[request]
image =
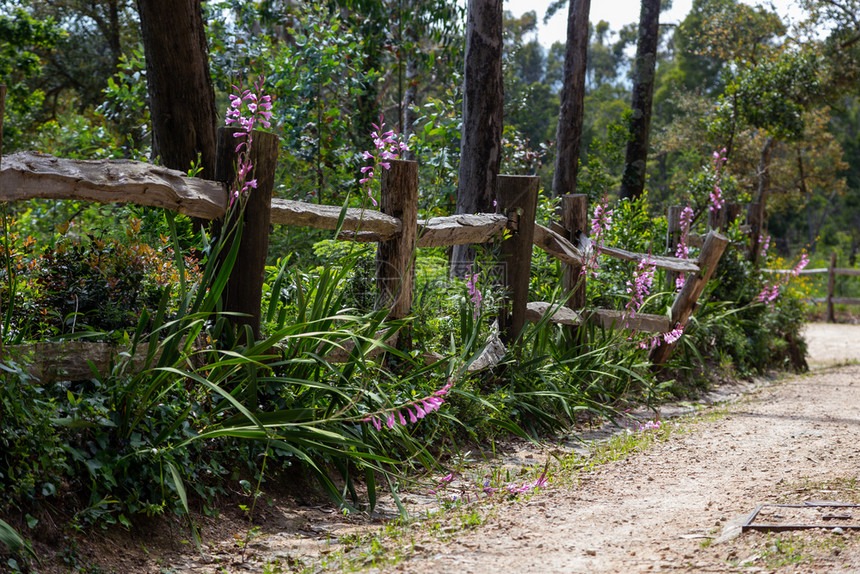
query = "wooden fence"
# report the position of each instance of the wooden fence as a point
(832, 271)
(394, 227)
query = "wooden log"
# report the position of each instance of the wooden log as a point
(28, 175)
(695, 240)
(557, 246)
(831, 288)
(344, 348)
(733, 212)
(395, 269)
(717, 219)
(673, 238)
(612, 319)
(755, 219)
(574, 219)
(845, 300)
(460, 229)
(537, 310)
(686, 301)
(493, 352)
(50, 362)
(670, 263)
(517, 197)
(815, 271)
(289, 212)
(847, 271)
(244, 291)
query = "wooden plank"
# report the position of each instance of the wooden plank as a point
(395, 265)
(831, 286)
(29, 175)
(611, 319)
(847, 271)
(289, 212)
(536, 310)
(243, 296)
(517, 197)
(460, 229)
(574, 218)
(557, 246)
(670, 263)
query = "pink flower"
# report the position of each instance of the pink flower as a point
(640, 287)
(801, 265)
(600, 224)
(415, 410)
(388, 146)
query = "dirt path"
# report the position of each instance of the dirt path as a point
(667, 507)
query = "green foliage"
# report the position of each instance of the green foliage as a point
(771, 95)
(25, 43)
(34, 461)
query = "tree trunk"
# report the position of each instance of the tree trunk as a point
(757, 219)
(181, 97)
(569, 134)
(483, 102)
(633, 180)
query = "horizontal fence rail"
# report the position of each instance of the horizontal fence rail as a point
(831, 272)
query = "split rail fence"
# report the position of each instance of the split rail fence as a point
(832, 271)
(395, 227)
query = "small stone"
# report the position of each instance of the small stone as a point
(838, 531)
(591, 551)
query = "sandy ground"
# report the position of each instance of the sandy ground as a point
(831, 343)
(674, 505)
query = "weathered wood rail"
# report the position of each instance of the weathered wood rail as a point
(394, 227)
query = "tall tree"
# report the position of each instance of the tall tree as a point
(483, 104)
(569, 134)
(181, 96)
(633, 180)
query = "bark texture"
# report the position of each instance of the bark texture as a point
(483, 102)
(181, 97)
(633, 180)
(569, 132)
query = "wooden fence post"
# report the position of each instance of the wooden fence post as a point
(517, 198)
(685, 302)
(733, 211)
(395, 269)
(831, 288)
(673, 238)
(244, 291)
(574, 217)
(717, 219)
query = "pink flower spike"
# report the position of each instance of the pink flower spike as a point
(376, 423)
(402, 420)
(390, 422)
(419, 412)
(365, 180)
(412, 417)
(367, 155)
(367, 168)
